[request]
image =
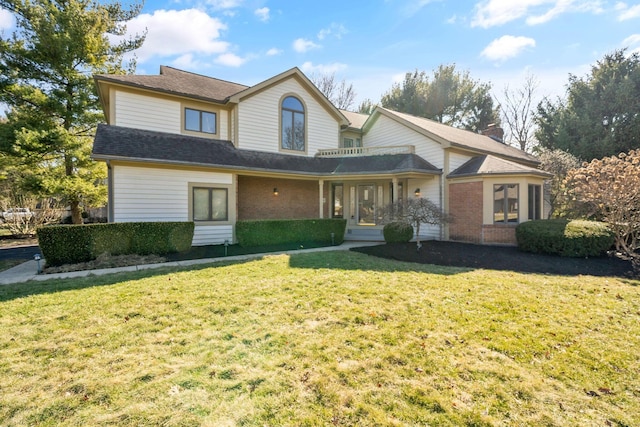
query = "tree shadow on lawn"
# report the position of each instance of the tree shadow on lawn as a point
(500, 258)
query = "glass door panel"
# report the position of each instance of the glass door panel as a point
(366, 204)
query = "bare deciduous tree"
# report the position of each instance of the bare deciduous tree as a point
(610, 190)
(559, 163)
(518, 114)
(340, 93)
(415, 212)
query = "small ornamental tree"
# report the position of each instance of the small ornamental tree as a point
(415, 212)
(609, 190)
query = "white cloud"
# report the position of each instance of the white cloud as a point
(230, 60)
(632, 40)
(507, 47)
(262, 14)
(627, 12)
(414, 6)
(224, 4)
(301, 45)
(172, 32)
(186, 62)
(334, 67)
(490, 13)
(6, 20)
(274, 51)
(632, 43)
(337, 30)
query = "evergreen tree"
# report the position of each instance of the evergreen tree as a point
(450, 97)
(46, 79)
(601, 115)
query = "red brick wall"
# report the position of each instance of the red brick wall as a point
(295, 200)
(465, 205)
(500, 234)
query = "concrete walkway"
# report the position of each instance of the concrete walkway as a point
(29, 270)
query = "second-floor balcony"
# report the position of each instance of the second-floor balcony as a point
(366, 151)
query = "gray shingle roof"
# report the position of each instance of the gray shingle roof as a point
(120, 143)
(491, 165)
(178, 82)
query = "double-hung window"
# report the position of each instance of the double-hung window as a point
(210, 204)
(292, 117)
(199, 121)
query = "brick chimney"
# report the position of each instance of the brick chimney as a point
(494, 131)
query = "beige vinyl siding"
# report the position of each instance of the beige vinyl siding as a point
(429, 189)
(146, 112)
(223, 125)
(259, 120)
(148, 194)
(456, 160)
(387, 132)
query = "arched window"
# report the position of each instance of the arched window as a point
(292, 112)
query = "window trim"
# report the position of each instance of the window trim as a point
(231, 202)
(281, 124)
(200, 110)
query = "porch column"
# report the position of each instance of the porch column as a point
(394, 181)
(321, 197)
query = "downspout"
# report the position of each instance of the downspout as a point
(109, 192)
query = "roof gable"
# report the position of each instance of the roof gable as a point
(449, 136)
(294, 73)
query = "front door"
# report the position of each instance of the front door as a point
(366, 204)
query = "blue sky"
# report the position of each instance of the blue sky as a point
(371, 44)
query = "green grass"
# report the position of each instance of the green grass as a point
(327, 338)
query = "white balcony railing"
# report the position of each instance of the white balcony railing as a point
(366, 151)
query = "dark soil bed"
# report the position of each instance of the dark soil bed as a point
(499, 258)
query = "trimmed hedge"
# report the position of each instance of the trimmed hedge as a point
(282, 231)
(70, 244)
(575, 238)
(397, 232)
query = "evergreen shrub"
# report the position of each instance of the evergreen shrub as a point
(571, 238)
(397, 232)
(283, 231)
(70, 244)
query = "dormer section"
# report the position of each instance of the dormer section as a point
(175, 101)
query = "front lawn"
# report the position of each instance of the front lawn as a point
(326, 338)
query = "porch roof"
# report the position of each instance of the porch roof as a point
(128, 144)
(491, 165)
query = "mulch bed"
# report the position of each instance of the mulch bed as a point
(500, 258)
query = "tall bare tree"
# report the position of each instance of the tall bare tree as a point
(341, 94)
(518, 113)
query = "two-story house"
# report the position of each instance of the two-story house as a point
(186, 147)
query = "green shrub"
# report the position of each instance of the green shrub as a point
(575, 238)
(397, 232)
(69, 244)
(280, 231)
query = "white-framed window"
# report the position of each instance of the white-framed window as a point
(351, 142)
(505, 203)
(199, 121)
(292, 124)
(210, 204)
